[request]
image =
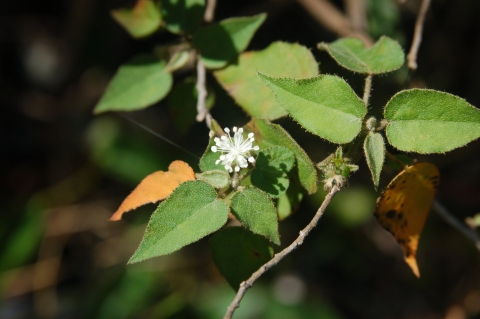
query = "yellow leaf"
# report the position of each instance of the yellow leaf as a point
(404, 206)
(155, 187)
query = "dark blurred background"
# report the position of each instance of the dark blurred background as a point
(64, 171)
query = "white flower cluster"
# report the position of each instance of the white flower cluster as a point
(234, 150)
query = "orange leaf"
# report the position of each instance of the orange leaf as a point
(155, 187)
(404, 206)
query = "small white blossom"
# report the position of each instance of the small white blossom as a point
(234, 150)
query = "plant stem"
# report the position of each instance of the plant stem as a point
(396, 160)
(210, 11)
(462, 228)
(367, 89)
(244, 286)
(333, 19)
(417, 35)
(202, 111)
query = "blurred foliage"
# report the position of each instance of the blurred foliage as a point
(64, 172)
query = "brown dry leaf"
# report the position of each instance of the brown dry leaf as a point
(155, 187)
(404, 206)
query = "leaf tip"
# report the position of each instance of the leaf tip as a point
(133, 260)
(412, 263)
(262, 16)
(116, 216)
(98, 109)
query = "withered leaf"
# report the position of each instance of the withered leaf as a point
(155, 187)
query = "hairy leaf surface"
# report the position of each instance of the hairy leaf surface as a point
(190, 213)
(324, 105)
(428, 121)
(242, 82)
(385, 56)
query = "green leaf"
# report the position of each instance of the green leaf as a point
(324, 105)
(427, 121)
(271, 168)
(238, 253)
(268, 134)
(182, 104)
(191, 212)
(222, 42)
(374, 148)
(289, 202)
(241, 80)
(254, 209)
(178, 60)
(140, 83)
(208, 159)
(183, 15)
(216, 178)
(385, 56)
(141, 20)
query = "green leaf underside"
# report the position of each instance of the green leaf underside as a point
(374, 148)
(216, 178)
(238, 253)
(241, 80)
(141, 82)
(141, 20)
(271, 168)
(222, 42)
(268, 134)
(191, 212)
(183, 15)
(254, 209)
(324, 105)
(428, 121)
(385, 56)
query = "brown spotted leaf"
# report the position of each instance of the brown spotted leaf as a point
(155, 187)
(404, 206)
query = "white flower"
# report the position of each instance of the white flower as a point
(234, 150)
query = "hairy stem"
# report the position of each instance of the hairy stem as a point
(417, 35)
(367, 89)
(202, 111)
(244, 286)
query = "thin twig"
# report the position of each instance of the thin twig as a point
(202, 110)
(210, 11)
(355, 10)
(462, 228)
(367, 89)
(417, 35)
(276, 259)
(333, 19)
(396, 160)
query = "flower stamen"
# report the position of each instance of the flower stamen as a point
(234, 150)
